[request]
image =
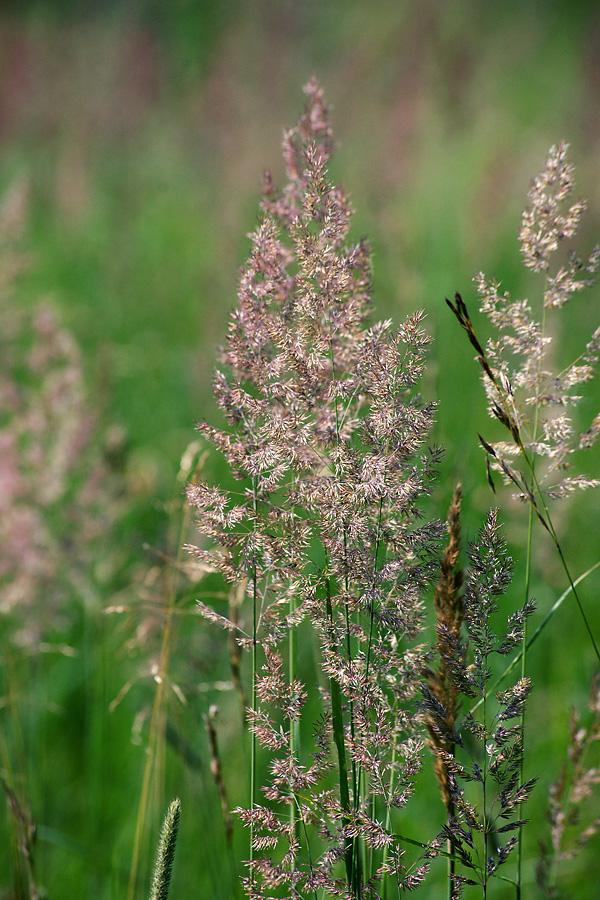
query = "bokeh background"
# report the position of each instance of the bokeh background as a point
(133, 139)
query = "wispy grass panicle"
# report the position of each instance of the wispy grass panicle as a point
(531, 400)
(327, 438)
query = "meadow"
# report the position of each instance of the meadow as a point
(134, 142)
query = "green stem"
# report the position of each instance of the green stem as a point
(451, 867)
(353, 873)
(523, 675)
(485, 821)
(547, 522)
(530, 641)
(388, 818)
(253, 692)
(356, 774)
(293, 723)
(337, 716)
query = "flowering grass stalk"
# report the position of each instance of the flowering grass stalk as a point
(165, 854)
(525, 395)
(328, 444)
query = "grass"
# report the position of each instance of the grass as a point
(145, 280)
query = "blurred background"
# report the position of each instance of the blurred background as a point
(133, 139)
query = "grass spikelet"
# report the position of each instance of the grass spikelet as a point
(449, 610)
(161, 878)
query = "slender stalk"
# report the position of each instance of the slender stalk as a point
(378, 543)
(531, 640)
(294, 726)
(523, 675)
(550, 528)
(153, 764)
(356, 774)
(293, 729)
(527, 589)
(340, 743)
(253, 691)
(485, 819)
(388, 820)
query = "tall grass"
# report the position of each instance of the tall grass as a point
(327, 441)
(384, 733)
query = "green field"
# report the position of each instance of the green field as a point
(133, 141)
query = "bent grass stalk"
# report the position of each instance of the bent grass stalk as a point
(460, 311)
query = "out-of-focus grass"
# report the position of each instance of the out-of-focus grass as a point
(144, 129)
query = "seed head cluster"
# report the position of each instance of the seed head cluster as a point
(525, 391)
